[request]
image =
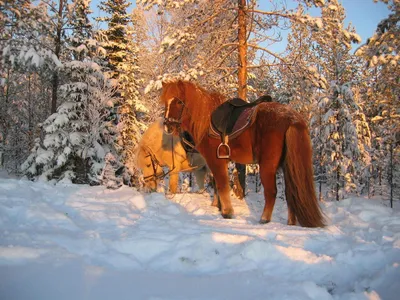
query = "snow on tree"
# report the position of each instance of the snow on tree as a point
(338, 121)
(132, 110)
(115, 39)
(77, 137)
(382, 56)
(147, 29)
(26, 64)
(201, 41)
(119, 39)
(108, 176)
(81, 29)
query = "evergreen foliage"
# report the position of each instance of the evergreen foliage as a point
(78, 136)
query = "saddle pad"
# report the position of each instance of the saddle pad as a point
(243, 121)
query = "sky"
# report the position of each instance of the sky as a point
(364, 15)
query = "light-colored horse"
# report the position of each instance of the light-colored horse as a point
(158, 149)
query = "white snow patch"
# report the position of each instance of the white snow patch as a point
(81, 242)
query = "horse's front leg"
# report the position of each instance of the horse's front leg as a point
(219, 169)
(173, 182)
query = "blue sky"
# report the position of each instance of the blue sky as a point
(363, 14)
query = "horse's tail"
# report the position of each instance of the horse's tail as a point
(299, 179)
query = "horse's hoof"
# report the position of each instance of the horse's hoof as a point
(227, 216)
(262, 221)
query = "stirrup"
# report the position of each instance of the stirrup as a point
(228, 149)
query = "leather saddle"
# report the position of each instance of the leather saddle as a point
(230, 119)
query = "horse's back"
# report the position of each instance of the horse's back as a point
(153, 134)
(279, 116)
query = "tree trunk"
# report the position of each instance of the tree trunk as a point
(57, 53)
(391, 181)
(242, 38)
(242, 81)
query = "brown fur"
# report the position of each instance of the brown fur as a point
(278, 137)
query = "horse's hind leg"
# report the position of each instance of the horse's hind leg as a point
(269, 162)
(268, 180)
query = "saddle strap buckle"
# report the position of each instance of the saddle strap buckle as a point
(223, 145)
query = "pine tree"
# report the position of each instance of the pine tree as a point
(122, 55)
(26, 65)
(78, 136)
(81, 36)
(341, 122)
(108, 176)
(115, 38)
(132, 110)
(381, 53)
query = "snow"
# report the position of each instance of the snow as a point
(79, 242)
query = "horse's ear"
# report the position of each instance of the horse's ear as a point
(164, 84)
(181, 86)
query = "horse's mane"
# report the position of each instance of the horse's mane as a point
(150, 140)
(200, 104)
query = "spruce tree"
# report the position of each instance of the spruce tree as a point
(381, 93)
(342, 157)
(76, 139)
(119, 40)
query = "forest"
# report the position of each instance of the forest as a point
(78, 89)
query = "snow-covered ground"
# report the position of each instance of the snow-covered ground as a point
(79, 242)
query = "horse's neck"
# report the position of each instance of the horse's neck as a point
(200, 115)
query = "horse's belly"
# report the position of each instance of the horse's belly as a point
(242, 148)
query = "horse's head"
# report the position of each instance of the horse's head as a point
(173, 116)
(150, 168)
(173, 99)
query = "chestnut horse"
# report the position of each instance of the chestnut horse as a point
(277, 137)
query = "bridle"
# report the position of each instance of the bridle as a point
(156, 163)
(187, 144)
(168, 121)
